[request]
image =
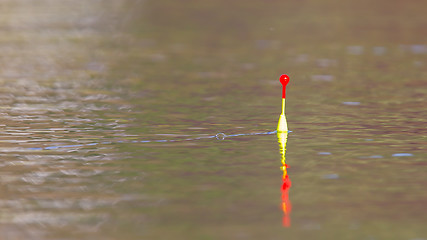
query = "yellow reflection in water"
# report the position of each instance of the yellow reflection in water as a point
(286, 182)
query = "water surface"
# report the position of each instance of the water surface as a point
(110, 110)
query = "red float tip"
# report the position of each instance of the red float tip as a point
(284, 79)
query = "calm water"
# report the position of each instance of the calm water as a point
(134, 93)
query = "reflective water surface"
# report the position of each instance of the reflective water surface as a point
(155, 120)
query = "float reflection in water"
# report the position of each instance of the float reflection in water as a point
(286, 182)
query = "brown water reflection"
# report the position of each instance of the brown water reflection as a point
(81, 72)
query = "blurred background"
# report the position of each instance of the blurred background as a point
(98, 97)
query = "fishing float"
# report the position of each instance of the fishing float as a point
(282, 126)
(282, 135)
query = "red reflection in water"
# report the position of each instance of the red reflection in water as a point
(286, 203)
